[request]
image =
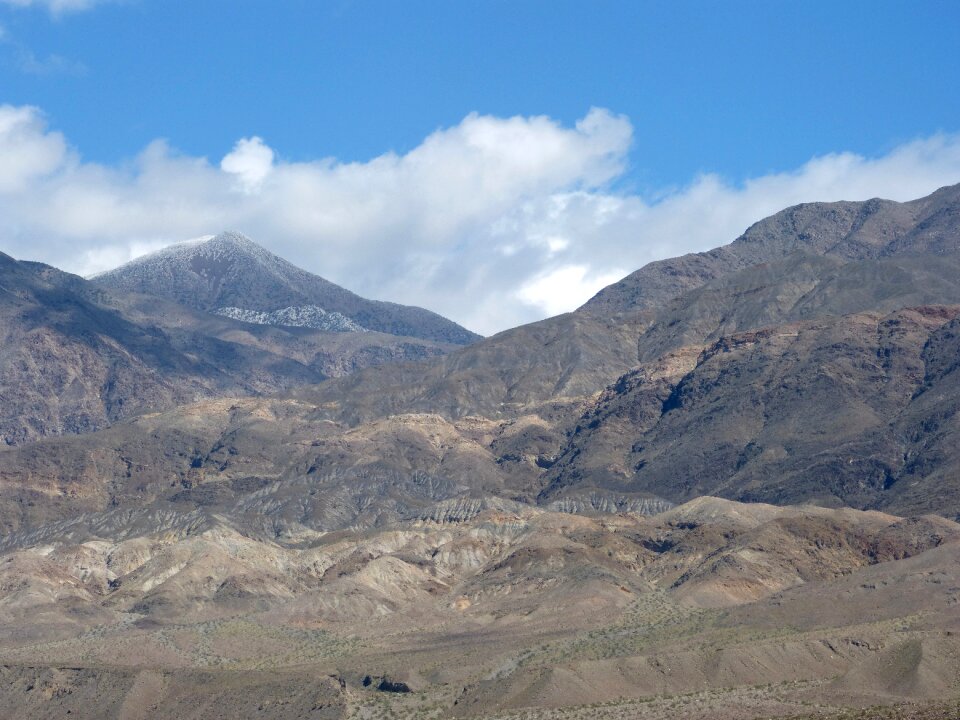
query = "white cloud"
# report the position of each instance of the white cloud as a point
(251, 161)
(29, 152)
(493, 222)
(560, 290)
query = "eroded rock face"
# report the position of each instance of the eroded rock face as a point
(744, 417)
(825, 411)
(712, 551)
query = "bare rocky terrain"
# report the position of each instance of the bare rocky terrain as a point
(711, 609)
(727, 487)
(839, 411)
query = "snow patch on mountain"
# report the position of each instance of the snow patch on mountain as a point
(310, 316)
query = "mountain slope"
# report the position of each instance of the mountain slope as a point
(232, 275)
(560, 359)
(74, 357)
(858, 410)
(798, 287)
(534, 386)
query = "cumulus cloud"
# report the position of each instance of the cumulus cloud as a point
(29, 152)
(251, 161)
(492, 222)
(551, 290)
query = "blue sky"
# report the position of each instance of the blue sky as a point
(731, 93)
(740, 88)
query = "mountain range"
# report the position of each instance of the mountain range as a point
(727, 486)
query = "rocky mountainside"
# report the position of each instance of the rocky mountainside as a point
(75, 357)
(231, 275)
(577, 354)
(555, 361)
(843, 231)
(858, 410)
(743, 418)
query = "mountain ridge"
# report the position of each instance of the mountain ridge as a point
(845, 229)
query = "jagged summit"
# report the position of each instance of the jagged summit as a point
(231, 274)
